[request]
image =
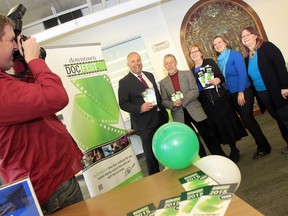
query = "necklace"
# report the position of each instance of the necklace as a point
(252, 53)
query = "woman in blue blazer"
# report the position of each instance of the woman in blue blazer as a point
(239, 90)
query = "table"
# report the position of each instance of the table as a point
(151, 189)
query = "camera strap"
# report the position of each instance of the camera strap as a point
(22, 49)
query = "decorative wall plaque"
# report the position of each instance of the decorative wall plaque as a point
(207, 19)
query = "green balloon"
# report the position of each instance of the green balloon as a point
(175, 145)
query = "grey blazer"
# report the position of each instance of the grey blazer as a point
(190, 91)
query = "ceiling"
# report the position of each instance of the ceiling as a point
(39, 9)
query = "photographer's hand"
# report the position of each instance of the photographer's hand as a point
(30, 47)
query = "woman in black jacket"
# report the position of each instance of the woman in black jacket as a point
(268, 73)
(213, 98)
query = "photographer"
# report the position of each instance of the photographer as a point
(33, 141)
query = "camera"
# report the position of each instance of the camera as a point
(16, 14)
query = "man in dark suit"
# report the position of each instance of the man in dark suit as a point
(146, 117)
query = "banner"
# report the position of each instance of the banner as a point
(93, 117)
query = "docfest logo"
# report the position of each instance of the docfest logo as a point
(84, 66)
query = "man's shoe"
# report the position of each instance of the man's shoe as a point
(259, 154)
(285, 150)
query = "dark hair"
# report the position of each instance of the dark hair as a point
(259, 39)
(4, 20)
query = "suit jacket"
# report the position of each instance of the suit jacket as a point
(190, 92)
(130, 100)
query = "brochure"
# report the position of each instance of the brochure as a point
(18, 198)
(177, 96)
(196, 180)
(208, 200)
(189, 200)
(205, 75)
(203, 196)
(148, 210)
(168, 206)
(149, 96)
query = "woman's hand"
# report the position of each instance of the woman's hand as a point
(241, 99)
(215, 81)
(284, 93)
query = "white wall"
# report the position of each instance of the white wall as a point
(163, 22)
(148, 24)
(274, 16)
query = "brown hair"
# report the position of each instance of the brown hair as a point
(199, 48)
(4, 20)
(259, 39)
(226, 40)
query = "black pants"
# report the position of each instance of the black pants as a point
(151, 161)
(205, 131)
(281, 120)
(146, 137)
(248, 120)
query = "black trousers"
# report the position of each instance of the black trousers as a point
(281, 119)
(146, 137)
(151, 161)
(248, 120)
(205, 131)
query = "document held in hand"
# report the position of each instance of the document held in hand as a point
(149, 96)
(205, 75)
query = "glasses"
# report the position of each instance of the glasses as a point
(246, 36)
(194, 52)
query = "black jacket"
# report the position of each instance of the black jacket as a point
(212, 94)
(274, 73)
(130, 100)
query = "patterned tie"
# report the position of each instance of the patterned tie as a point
(143, 81)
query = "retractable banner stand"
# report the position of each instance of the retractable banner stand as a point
(93, 117)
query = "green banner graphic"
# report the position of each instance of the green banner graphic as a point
(93, 117)
(97, 109)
